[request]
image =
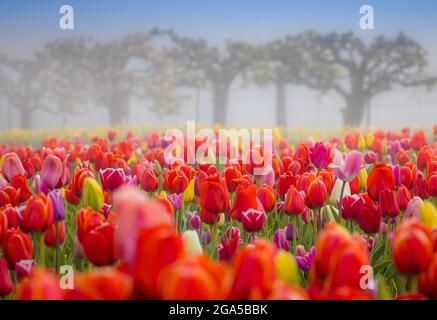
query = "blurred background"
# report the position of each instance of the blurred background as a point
(238, 63)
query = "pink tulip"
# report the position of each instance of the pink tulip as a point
(268, 177)
(413, 207)
(347, 168)
(111, 178)
(51, 171)
(319, 154)
(12, 166)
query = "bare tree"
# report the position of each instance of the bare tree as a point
(217, 67)
(22, 87)
(289, 61)
(367, 70)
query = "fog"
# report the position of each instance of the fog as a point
(250, 105)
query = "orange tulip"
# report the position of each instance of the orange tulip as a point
(267, 197)
(294, 202)
(86, 220)
(40, 285)
(380, 178)
(103, 284)
(194, 278)
(317, 194)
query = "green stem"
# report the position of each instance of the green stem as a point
(294, 234)
(57, 244)
(42, 253)
(315, 226)
(340, 206)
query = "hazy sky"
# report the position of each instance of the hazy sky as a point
(26, 25)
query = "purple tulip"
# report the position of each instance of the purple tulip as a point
(58, 204)
(280, 239)
(176, 200)
(206, 236)
(193, 220)
(289, 231)
(306, 261)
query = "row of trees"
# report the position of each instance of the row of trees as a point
(67, 75)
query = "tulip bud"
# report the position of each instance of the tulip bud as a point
(286, 268)
(370, 138)
(428, 214)
(191, 243)
(294, 202)
(253, 220)
(361, 142)
(92, 194)
(188, 194)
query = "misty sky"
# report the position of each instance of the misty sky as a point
(26, 25)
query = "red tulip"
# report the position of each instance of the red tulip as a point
(317, 193)
(74, 189)
(214, 196)
(12, 216)
(16, 246)
(111, 178)
(13, 195)
(97, 244)
(162, 245)
(431, 185)
(12, 166)
(50, 235)
(232, 176)
(149, 181)
(380, 178)
(253, 220)
(3, 224)
(427, 280)
(229, 244)
(423, 156)
(245, 199)
(6, 284)
(20, 184)
(351, 207)
(267, 197)
(294, 202)
(388, 203)
(412, 247)
(284, 183)
(254, 271)
(403, 197)
(37, 215)
(369, 217)
(86, 220)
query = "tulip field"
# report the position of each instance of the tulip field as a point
(351, 215)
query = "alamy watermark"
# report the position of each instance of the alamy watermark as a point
(223, 146)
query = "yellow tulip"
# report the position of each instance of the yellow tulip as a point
(361, 143)
(286, 267)
(428, 214)
(362, 176)
(370, 138)
(162, 195)
(92, 194)
(188, 194)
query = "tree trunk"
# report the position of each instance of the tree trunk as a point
(220, 103)
(26, 119)
(118, 111)
(281, 104)
(354, 112)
